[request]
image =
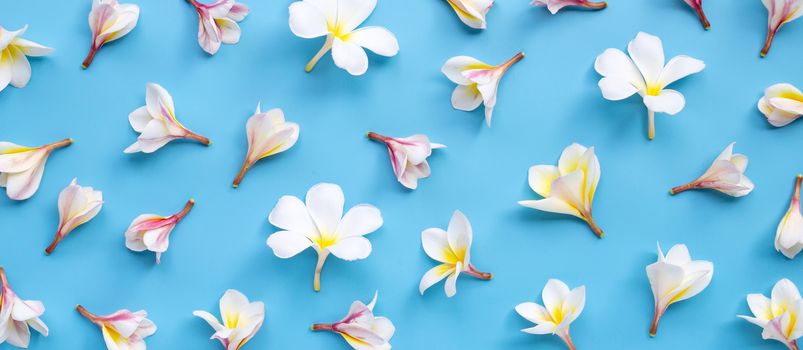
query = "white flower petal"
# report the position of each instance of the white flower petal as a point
(459, 235)
(360, 220)
(554, 294)
(306, 20)
(20, 68)
(229, 30)
(377, 39)
(540, 178)
(325, 206)
(678, 68)
(435, 275)
(287, 244)
(466, 97)
(455, 66)
(534, 313)
(451, 282)
(614, 64)
(647, 52)
(351, 13)
(552, 205)
(668, 101)
(291, 214)
(436, 245)
(351, 248)
(350, 57)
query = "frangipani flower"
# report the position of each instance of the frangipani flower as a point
(697, 5)
(152, 232)
(568, 188)
(725, 175)
(781, 104)
(122, 330)
(361, 329)
(789, 235)
(338, 21)
(477, 82)
(320, 224)
(77, 205)
(268, 134)
(21, 167)
(218, 23)
(452, 248)
(676, 277)
(472, 12)
(241, 319)
(561, 307)
(109, 21)
(779, 315)
(156, 122)
(408, 156)
(556, 5)
(14, 66)
(644, 73)
(16, 315)
(780, 12)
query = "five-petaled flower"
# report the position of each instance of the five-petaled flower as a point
(156, 122)
(361, 329)
(477, 82)
(472, 12)
(781, 104)
(556, 5)
(452, 248)
(568, 188)
(152, 232)
(22, 167)
(780, 315)
(268, 134)
(77, 205)
(123, 329)
(217, 23)
(726, 175)
(675, 277)
(241, 318)
(14, 66)
(561, 307)
(320, 224)
(408, 156)
(697, 6)
(109, 20)
(789, 235)
(780, 12)
(338, 21)
(645, 73)
(16, 315)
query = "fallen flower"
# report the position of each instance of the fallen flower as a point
(472, 12)
(320, 224)
(152, 232)
(408, 156)
(77, 205)
(14, 66)
(779, 315)
(556, 5)
(16, 315)
(122, 330)
(561, 307)
(789, 235)
(268, 134)
(109, 20)
(21, 167)
(781, 104)
(156, 122)
(217, 23)
(477, 82)
(361, 329)
(780, 12)
(241, 319)
(697, 6)
(675, 277)
(725, 175)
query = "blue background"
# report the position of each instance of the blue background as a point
(547, 101)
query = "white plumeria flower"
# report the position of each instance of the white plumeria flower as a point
(361, 329)
(472, 12)
(22, 167)
(151, 232)
(477, 82)
(320, 224)
(109, 20)
(122, 330)
(241, 319)
(556, 5)
(217, 23)
(452, 248)
(156, 122)
(675, 277)
(644, 73)
(697, 6)
(789, 235)
(561, 307)
(780, 12)
(568, 188)
(16, 315)
(725, 175)
(408, 156)
(338, 21)
(268, 134)
(781, 104)
(77, 205)
(779, 315)
(14, 66)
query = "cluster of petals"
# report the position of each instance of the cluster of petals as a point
(789, 235)
(561, 307)
(781, 104)
(17, 316)
(22, 167)
(123, 329)
(151, 232)
(452, 248)
(109, 20)
(77, 205)
(780, 12)
(268, 134)
(217, 23)
(477, 82)
(338, 21)
(726, 175)
(779, 315)
(697, 6)
(556, 5)
(15, 70)
(241, 319)
(361, 328)
(676, 277)
(472, 12)
(320, 224)
(568, 188)
(408, 156)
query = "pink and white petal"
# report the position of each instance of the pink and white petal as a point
(668, 101)
(451, 282)
(307, 21)
(38, 325)
(377, 39)
(787, 104)
(678, 68)
(360, 220)
(533, 312)
(30, 48)
(26, 310)
(614, 64)
(155, 98)
(20, 68)
(383, 327)
(351, 248)
(291, 214)
(468, 15)
(139, 119)
(208, 36)
(436, 245)
(349, 56)
(325, 206)
(359, 336)
(466, 97)
(784, 293)
(455, 66)
(148, 146)
(459, 235)
(647, 52)
(615, 89)
(351, 13)
(434, 275)
(23, 185)
(18, 334)
(238, 12)
(229, 30)
(158, 240)
(287, 244)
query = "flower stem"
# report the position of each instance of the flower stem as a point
(241, 174)
(193, 136)
(481, 275)
(195, 3)
(593, 225)
(377, 137)
(316, 282)
(56, 240)
(689, 186)
(703, 18)
(322, 327)
(568, 340)
(650, 124)
(90, 57)
(3, 278)
(512, 61)
(84, 312)
(793, 345)
(796, 195)
(655, 319)
(330, 39)
(768, 42)
(186, 210)
(594, 5)
(60, 144)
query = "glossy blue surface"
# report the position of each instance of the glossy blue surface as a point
(546, 101)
